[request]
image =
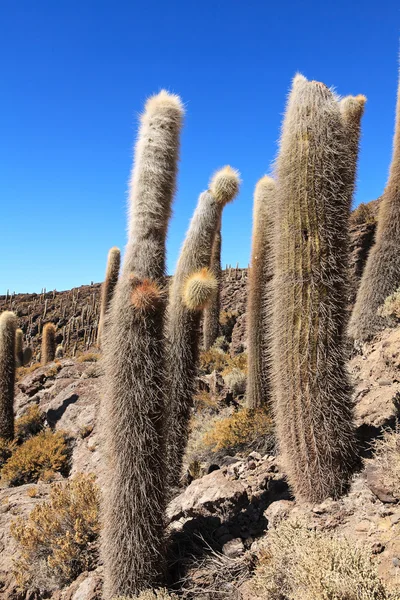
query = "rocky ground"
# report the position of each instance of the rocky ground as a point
(230, 510)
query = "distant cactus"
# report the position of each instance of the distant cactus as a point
(259, 296)
(27, 357)
(211, 312)
(59, 351)
(134, 498)
(48, 350)
(8, 327)
(107, 289)
(381, 275)
(19, 347)
(184, 315)
(313, 407)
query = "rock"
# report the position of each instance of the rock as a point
(377, 548)
(208, 495)
(277, 511)
(375, 482)
(254, 455)
(234, 548)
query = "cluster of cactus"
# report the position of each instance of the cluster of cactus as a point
(150, 345)
(296, 319)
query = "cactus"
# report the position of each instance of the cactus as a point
(313, 407)
(134, 499)
(27, 356)
(107, 289)
(19, 348)
(59, 351)
(259, 296)
(48, 349)
(8, 327)
(381, 276)
(184, 315)
(211, 312)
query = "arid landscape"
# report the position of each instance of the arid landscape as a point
(233, 495)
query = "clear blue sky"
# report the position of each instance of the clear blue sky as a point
(75, 75)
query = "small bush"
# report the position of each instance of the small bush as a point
(21, 372)
(213, 359)
(161, 594)
(387, 459)
(391, 306)
(40, 457)
(58, 540)
(227, 321)
(6, 450)
(236, 380)
(216, 359)
(302, 564)
(88, 357)
(31, 422)
(363, 214)
(244, 428)
(53, 370)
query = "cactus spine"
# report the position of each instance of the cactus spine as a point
(8, 327)
(259, 298)
(48, 350)
(184, 315)
(19, 347)
(381, 275)
(107, 289)
(133, 508)
(313, 408)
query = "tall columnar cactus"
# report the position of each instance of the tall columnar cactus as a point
(381, 275)
(133, 409)
(184, 313)
(8, 327)
(19, 347)
(211, 312)
(352, 110)
(107, 289)
(313, 407)
(259, 296)
(48, 350)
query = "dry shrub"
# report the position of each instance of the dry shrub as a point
(227, 320)
(53, 370)
(58, 540)
(21, 372)
(298, 563)
(88, 357)
(362, 214)
(40, 457)
(161, 594)
(216, 359)
(387, 459)
(31, 422)
(245, 428)
(213, 359)
(204, 400)
(236, 380)
(6, 450)
(391, 306)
